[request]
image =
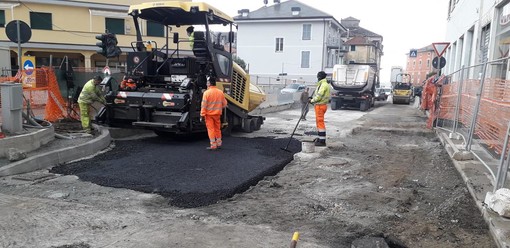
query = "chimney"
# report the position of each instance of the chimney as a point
(243, 12)
(295, 11)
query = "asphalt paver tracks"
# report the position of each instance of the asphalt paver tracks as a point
(184, 171)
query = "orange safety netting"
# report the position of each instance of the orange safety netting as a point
(45, 99)
(56, 106)
(493, 116)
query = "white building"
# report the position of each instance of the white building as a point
(289, 39)
(478, 31)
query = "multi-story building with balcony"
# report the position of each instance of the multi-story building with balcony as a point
(68, 29)
(289, 38)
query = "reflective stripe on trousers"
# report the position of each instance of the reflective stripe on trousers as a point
(320, 111)
(213, 124)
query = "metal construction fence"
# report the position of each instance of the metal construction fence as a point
(474, 104)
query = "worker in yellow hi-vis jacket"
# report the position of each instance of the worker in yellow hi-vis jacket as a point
(320, 99)
(89, 94)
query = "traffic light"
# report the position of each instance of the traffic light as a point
(102, 44)
(112, 50)
(108, 45)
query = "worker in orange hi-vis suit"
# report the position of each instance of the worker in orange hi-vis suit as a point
(213, 103)
(426, 94)
(429, 96)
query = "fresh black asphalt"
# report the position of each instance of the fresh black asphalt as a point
(183, 170)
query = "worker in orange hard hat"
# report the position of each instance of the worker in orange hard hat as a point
(213, 103)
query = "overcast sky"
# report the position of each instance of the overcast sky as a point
(404, 24)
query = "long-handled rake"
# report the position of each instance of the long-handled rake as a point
(297, 124)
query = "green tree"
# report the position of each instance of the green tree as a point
(239, 61)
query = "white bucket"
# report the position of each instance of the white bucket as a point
(308, 146)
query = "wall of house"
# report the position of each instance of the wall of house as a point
(464, 31)
(74, 30)
(258, 48)
(362, 54)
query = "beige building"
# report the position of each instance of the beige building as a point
(362, 46)
(68, 29)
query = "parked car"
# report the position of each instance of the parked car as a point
(380, 94)
(292, 88)
(387, 91)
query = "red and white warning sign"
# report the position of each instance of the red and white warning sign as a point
(106, 71)
(440, 47)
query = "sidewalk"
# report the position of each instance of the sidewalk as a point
(43, 150)
(479, 181)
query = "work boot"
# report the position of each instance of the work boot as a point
(319, 142)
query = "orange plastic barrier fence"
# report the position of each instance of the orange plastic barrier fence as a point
(493, 114)
(45, 99)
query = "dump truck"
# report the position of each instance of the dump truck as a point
(167, 84)
(354, 86)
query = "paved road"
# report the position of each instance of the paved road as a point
(185, 171)
(191, 176)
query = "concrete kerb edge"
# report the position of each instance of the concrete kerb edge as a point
(60, 156)
(498, 227)
(27, 142)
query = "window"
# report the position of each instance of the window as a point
(484, 44)
(114, 25)
(2, 18)
(307, 32)
(155, 29)
(224, 63)
(305, 59)
(40, 20)
(353, 48)
(279, 45)
(428, 63)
